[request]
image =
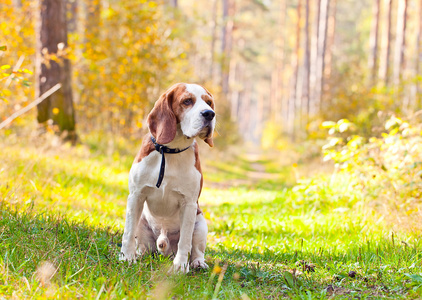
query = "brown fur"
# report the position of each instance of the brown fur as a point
(162, 120)
(208, 98)
(198, 167)
(146, 148)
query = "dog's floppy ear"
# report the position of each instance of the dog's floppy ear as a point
(161, 120)
(209, 141)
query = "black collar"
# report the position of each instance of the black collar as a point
(164, 149)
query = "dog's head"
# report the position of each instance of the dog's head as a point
(189, 105)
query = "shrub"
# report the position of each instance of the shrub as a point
(387, 168)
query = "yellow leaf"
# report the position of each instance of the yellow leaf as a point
(217, 269)
(6, 93)
(55, 110)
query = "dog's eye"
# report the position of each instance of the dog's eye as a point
(209, 102)
(188, 102)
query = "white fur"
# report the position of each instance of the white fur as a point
(193, 121)
(153, 213)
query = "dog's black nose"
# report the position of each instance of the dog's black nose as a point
(208, 114)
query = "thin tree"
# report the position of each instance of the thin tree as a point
(331, 30)
(54, 67)
(417, 100)
(313, 59)
(226, 43)
(277, 105)
(399, 49)
(373, 42)
(17, 3)
(306, 64)
(292, 109)
(322, 42)
(386, 45)
(213, 39)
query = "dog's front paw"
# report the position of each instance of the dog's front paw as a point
(199, 263)
(128, 254)
(180, 265)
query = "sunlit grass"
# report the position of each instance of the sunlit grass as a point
(67, 206)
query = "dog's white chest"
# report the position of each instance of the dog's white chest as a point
(180, 185)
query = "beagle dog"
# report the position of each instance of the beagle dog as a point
(165, 180)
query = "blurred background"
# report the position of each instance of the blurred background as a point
(314, 185)
(277, 69)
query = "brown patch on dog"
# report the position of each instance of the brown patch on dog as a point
(198, 167)
(146, 148)
(162, 120)
(208, 98)
(179, 95)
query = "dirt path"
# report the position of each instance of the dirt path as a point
(259, 172)
(254, 176)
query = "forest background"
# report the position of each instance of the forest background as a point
(289, 77)
(278, 68)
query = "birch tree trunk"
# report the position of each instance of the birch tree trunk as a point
(306, 66)
(322, 42)
(52, 40)
(417, 99)
(332, 20)
(278, 107)
(313, 61)
(174, 3)
(213, 40)
(373, 42)
(399, 49)
(226, 43)
(385, 46)
(236, 76)
(292, 114)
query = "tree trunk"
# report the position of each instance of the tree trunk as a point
(235, 95)
(385, 48)
(226, 43)
(213, 40)
(399, 49)
(292, 116)
(332, 20)
(322, 43)
(52, 41)
(313, 62)
(17, 3)
(306, 65)
(277, 77)
(174, 3)
(373, 42)
(418, 104)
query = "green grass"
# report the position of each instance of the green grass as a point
(62, 216)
